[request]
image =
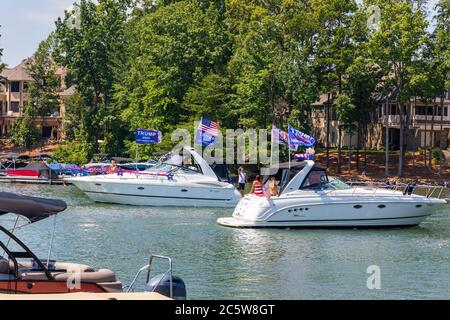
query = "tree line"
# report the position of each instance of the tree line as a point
(249, 64)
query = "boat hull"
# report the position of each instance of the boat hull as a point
(339, 212)
(335, 224)
(158, 193)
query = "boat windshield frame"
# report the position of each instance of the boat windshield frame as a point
(165, 160)
(174, 168)
(26, 254)
(322, 184)
(326, 182)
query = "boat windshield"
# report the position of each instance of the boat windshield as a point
(166, 167)
(318, 180)
(338, 184)
(180, 163)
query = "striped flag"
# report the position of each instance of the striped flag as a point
(207, 132)
(209, 127)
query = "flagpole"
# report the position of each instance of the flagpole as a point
(137, 156)
(289, 149)
(272, 142)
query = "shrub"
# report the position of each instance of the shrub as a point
(75, 153)
(438, 155)
(24, 133)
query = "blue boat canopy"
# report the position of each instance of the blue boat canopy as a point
(32, 208)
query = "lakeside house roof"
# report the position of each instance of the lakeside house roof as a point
(322, 100)
(18, 73)
(68, 92)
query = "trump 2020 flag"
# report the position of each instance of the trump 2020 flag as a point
(207, 132)
(144, 136)
(300, 138)
(282, 137)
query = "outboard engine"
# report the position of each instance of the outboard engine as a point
(161, 284)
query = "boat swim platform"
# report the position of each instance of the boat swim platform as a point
(24, 180)
(82, 296)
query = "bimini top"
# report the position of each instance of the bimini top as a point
(32, 208)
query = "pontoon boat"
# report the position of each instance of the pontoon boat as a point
(22, 272)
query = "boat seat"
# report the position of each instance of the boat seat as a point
(63, 272)
(100, 276)
(4, 266)
(59, 266)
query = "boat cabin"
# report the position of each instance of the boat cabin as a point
(305, 175)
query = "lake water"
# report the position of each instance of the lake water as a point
(221, 263)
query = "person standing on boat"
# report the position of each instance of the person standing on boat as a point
(242, 179)
(257, 187)
(113, 168)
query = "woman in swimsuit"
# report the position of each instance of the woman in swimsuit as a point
(257, 187)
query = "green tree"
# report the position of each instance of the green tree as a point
(362, 81)
(1, 54)
(42, 94)
(273, 81)
(74, 109)
(173, 52)
(336, 48)
(211, 98)
(441, 52)
(347, 117)
(94, 54)
(23, 132)
(397, 46)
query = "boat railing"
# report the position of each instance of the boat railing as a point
(408, 189)
(148, 268)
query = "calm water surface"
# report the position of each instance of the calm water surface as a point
(220, 263)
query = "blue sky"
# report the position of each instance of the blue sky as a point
(27, 22)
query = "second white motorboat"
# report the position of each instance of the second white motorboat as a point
(312, 199)
(184, 180)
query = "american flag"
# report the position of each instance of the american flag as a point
(209, 127)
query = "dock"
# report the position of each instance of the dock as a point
(31, 180)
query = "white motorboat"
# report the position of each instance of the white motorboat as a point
(184, 179)
(312, 199)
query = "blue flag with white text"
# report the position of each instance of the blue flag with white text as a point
(144, 136)
(299, 138)
(281, 137)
